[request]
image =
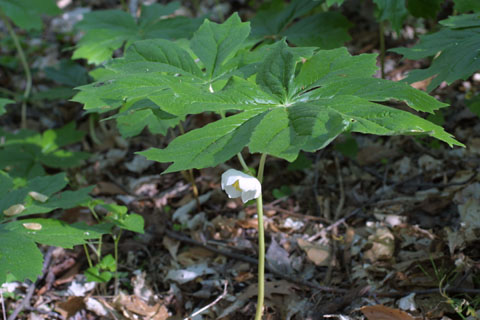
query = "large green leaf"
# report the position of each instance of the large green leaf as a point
(393, 11)
(216, 143)
(282, 114)
(151, 67)
(424, 8)
(26, 151)
(108, 30)
(47, 186)
(214, 43)
(276, 77)
(326, 30)
(27, 13)
(55, 232)
(460, 38)
(273, 20)
(464, 6)
(19, 255)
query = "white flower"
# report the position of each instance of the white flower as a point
(238, 184)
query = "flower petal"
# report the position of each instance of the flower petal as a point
(238, 184)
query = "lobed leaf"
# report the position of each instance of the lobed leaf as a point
(27, 13)
(447, 45)
(213, 43)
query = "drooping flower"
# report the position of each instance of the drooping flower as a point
(238, 184)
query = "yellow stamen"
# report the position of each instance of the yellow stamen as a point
(236, 185)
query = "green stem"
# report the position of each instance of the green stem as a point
(116, 242)
(189, 176)
(90, 264)
(99, 249)
(91, 128)
(23, 60)
(243, 163)
(382, 48)
(261, 166)
(261, 244)
(261, 259)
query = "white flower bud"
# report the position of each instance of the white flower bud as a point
(238, 184)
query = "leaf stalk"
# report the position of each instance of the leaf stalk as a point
(26, 68)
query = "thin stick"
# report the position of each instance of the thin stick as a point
(240, 257)
(214, 302)
(23, 60)
(188, 175)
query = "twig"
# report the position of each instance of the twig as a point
(425, 291)
(338, 211)
(292, 279)
(50, 314)
(295, 214)
(214, 302)
(31, 289)
(188, 240)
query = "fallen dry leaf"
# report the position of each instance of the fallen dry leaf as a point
(70, 307)
(133, 304)
(381, 312)
(317, 253)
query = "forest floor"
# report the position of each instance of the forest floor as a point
(376, 227)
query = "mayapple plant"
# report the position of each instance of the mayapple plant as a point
(291, 99)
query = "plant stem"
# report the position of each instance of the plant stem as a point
(190, 177)
(243, 163)
(116, 241)
(261, 259)
(90, 264)
(91, 128)
(382, 48)
(23, 60)
(261, 244)
(261, 166)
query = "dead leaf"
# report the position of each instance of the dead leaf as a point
(374, 153)
(133, 304)
(70, 307)
(244, 276)
(383, 245)
(14, 210)
(194, 255)
(381, 312)
(317, 253)
(248, 223)
(282, 287)
(32, 226)
(171, 245)
(38, 196)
